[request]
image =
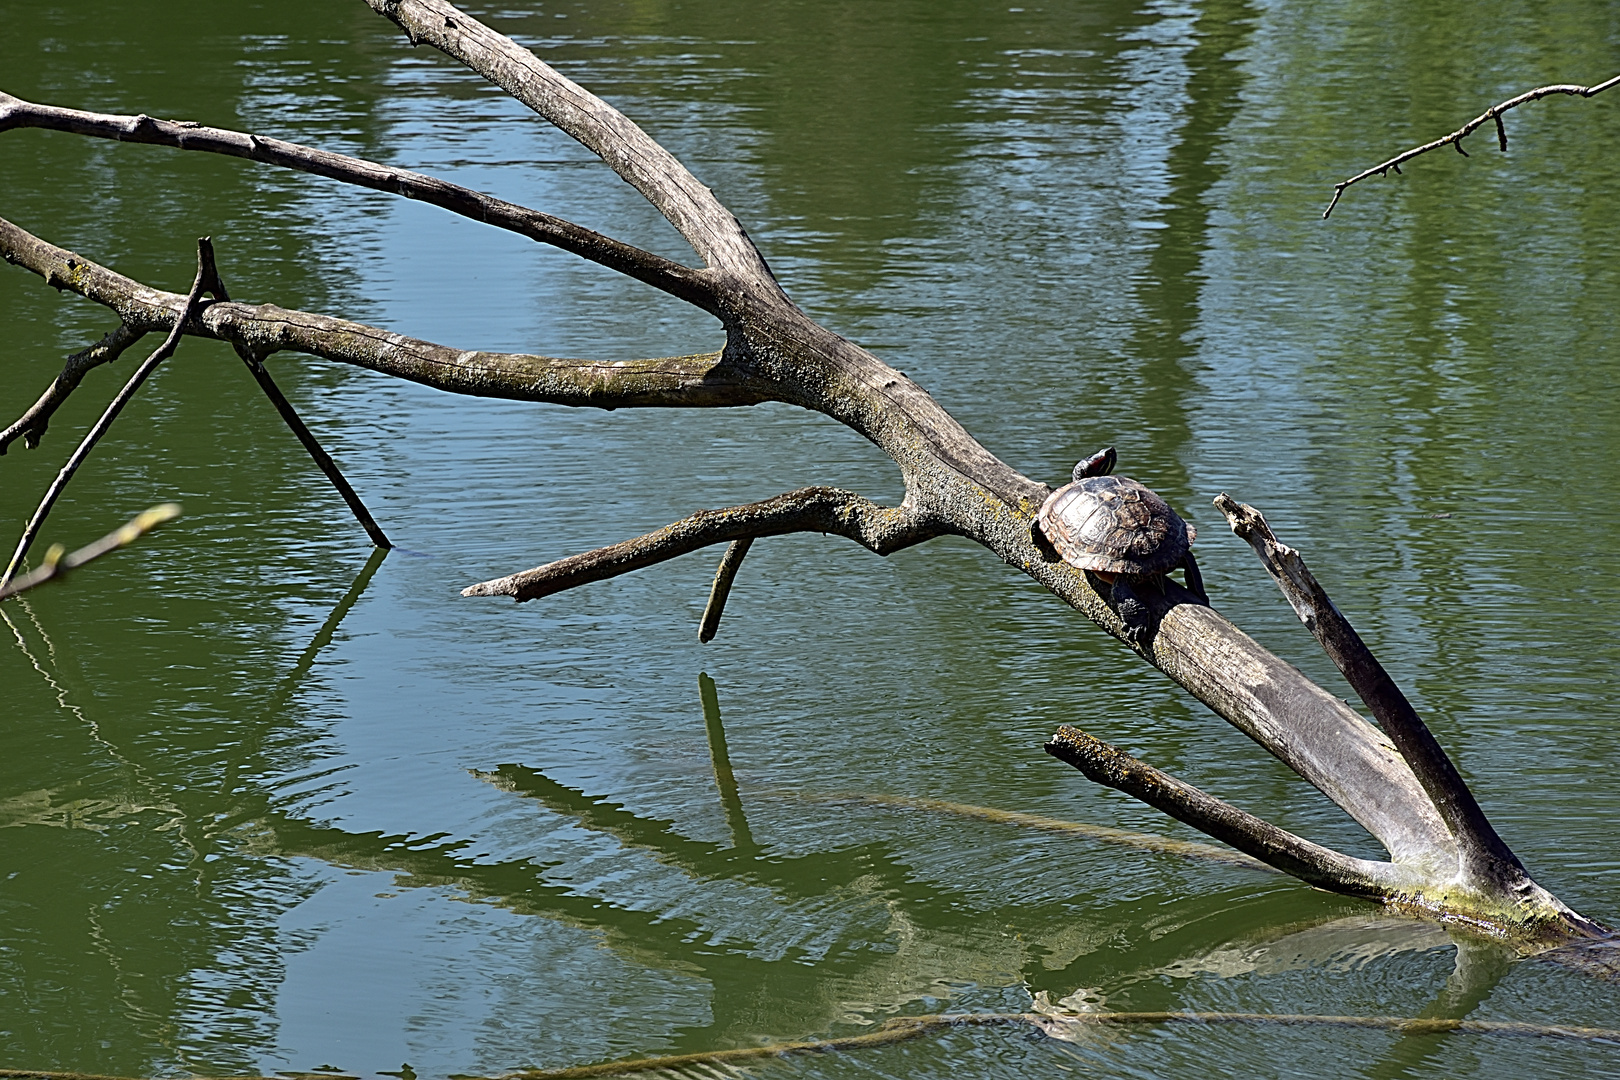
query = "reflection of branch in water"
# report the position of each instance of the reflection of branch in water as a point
(729, 797)
(1480, 966)
(289, 682)
(46, 807)
(723, 779)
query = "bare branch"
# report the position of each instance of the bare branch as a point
(879, 529)
(704, 380)
(1494, 113)
(688, 205)
(312, 446)
(56, 564)
(31, 425)
(1487, 863)
(655, 270)
(1320, 866)
(205, 281)
(724, 575)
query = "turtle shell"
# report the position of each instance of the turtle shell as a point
(1114, 524)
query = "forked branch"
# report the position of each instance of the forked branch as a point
(714, 233)
(1492, 114)
(1488, 858)
(206, 281)
(879, 529)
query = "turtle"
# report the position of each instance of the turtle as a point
(1120, 531)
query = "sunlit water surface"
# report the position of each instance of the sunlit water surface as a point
(270, 806)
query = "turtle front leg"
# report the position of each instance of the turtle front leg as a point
(1195, 580)
(1136, 615)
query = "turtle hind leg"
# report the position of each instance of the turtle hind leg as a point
(1195, 580)
(1136, 616)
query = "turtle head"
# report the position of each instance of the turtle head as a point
(1099, 464)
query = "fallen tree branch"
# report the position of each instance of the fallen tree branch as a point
(56, 563)
(1494, 113)
(1313, 863)
(1486, 863)
(879, 529)
(655, 270)
(30, 427)
(204, 282)
(699, 380)
(953, 484)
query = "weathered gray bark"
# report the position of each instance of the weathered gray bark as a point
(774, 352)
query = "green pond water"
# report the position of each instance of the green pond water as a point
(267, 805)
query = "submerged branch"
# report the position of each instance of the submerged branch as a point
(1064, 1026)
(880, 529)
(655, 270)
(1492, 114)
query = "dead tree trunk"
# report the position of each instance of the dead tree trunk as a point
(774, 352)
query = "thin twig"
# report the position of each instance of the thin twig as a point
(56, 564)
(204, 280)
(322, 459)
(724, 575)
(1494, 113)
(30, 426)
